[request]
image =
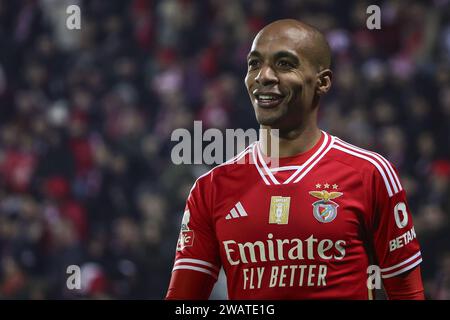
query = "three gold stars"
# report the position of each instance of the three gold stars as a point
(327, 186)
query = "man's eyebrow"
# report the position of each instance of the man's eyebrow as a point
(254, 53)
(277, 55)
(286, 54)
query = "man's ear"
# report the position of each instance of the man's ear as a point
(324, 78)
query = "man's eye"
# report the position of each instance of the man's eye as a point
(253, 63)
(285, 64)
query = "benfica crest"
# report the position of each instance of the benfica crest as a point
(325, 210)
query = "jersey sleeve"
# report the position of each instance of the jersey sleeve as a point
(395, 241)
(197, 247)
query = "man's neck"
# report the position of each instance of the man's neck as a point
(290, 143)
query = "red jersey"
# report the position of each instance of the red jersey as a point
(307, 229)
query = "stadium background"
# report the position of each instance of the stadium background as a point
(86, 117)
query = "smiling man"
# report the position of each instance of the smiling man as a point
(310, 227)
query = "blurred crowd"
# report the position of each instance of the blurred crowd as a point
(86, 117)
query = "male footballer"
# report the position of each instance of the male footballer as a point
(309, 227)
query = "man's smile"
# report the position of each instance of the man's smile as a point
(267, 100)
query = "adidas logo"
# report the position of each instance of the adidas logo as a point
(237, 212)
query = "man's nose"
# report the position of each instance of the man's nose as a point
(266, 76)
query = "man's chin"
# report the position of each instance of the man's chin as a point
(270, 121)
(275, 123)
(270, 117)
(266, 122)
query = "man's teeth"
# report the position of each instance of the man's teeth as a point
(267, 97)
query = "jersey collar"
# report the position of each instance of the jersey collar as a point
(298, 164)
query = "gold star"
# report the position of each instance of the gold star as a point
(335, 186)
(318, 185)
(326, 185)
